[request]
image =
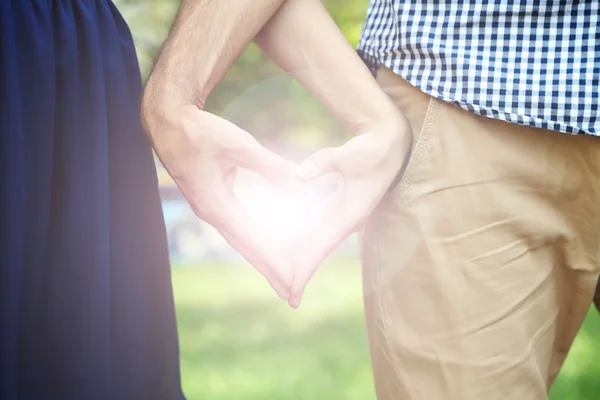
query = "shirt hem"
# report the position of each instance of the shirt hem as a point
(373, 62)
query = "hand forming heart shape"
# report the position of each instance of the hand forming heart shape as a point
(308, 228)
(203, 153)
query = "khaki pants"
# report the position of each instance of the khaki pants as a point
(481, 264)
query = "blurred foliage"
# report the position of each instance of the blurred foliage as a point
(240, 342)
(255, 94)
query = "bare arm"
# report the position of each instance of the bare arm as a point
(202, 151)
(303, 39)
(205, 39)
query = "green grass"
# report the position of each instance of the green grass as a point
(239, 341)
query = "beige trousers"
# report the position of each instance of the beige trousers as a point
(481, 264)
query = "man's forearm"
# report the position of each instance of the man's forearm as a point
(206, 38)
(303, 39)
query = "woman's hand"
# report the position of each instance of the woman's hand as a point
(367, 164)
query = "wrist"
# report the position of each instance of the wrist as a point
(170, 131)
(162, 102)
(172, 89)
(387, 120)
(393, 135)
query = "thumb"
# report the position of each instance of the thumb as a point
(320, 163)
(273, 167)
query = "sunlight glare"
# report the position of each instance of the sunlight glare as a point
(284, 216)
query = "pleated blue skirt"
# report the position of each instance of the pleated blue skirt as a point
(86, 304)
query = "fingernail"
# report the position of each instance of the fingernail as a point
(306, 169)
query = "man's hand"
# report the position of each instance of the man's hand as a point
(199, 150)
(202, 153)
(368, 164)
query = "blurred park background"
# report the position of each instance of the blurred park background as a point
(238, 341)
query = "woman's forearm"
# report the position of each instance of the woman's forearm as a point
(303, 39)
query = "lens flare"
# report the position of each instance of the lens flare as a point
(284, 216)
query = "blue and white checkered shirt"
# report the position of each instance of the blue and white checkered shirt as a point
(529, 62)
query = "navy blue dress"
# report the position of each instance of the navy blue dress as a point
(86, 305)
